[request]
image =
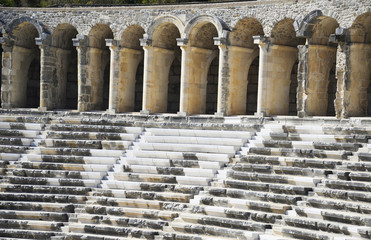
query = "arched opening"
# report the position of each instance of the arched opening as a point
(173, 95)
(252, 87)
(106, 86)
(315, 93)
(160, 72)
(97, 61)
(244, 67)
(128, 95)
(198, 93)
(1, 66)
(66, 90)
(285, 64)
(25, 64)
(358, 73)
(139, 87)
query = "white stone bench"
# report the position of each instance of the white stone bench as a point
(91, 135)
(23, 126)
(198, 133)
(193, 140)
(215, 157)
(185, 147)
(69, 159)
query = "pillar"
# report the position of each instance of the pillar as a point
(275, 66)
(84, 84)
(195, 66)
(47, 67)
(315, 62)
(6, 77)
(123, 69)
(234, 65)
(157, 63)
(354, 76)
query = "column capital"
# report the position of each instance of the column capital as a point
(112, 43)
(145, 42)
(80, 41)
(6, 43)
(261, 40)
(340, 36)
(44, 39)
(182, 41)
(220, 41)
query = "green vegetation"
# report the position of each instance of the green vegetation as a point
(50, 3)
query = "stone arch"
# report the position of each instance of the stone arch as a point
(283, 33)
(243, 32)
(9, 28)
(360, 31)
(23, 63)
(315, 97)
(199, 22)
(65, 68)
(131, 36)
(98, 62)
(167, 20)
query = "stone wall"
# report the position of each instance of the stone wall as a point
(196, 34)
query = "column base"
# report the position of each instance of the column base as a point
(144, 112)
(260, 114)
(42, 109)
(182, 114)
(111, 111)
(219, 114)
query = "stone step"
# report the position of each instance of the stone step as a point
(299, 233)
(315, 129)
(94, 128)
(305, 153)
(113, 231)
(147, 195)
(185, 236)
(52, 181)
(274, 178)
(224, 222)
(358, 166)
(253, 195)
(179, 171)
(242, 204)
(147, 186)
(348, 185)
(157, 178)
(79, 236)
(16, 141)
(123, 202)
(121, 221)
(343, 194)
(91, 135)
(159, 162)
(21, 126)
(231, 150)
(304, 145)
(193, 140)
(30, 225)
(198, 133)
(363, 156)
(68, 190)
(327, 138)
(58, 174)
(338, 216)
(27, 234)
(42, 197)
(238, 213)
(214, 157)
(63, 143)
(10, 156)
(19, 133)
(69, 159)
(200, 229)
(166, 215)
(66, 166)
(336, 204)
(13, 149)
(265, 187)
(77, 152)
(37, 206)
(34, 215)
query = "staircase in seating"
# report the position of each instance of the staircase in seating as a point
(79, 176)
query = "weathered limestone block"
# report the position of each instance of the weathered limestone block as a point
(315, 63)
(157, 63)
(275, 66)
(233, 80)
(195, 67)
(355, 79)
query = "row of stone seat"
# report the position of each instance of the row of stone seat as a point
(154, 182)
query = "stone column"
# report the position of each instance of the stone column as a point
(47, 67)
(6, 77)
(315, 62)
(195, 66)
(353, 70)
(157, 63)
(84, 84)
(124, 64)
(234, 65)
(275, 66)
